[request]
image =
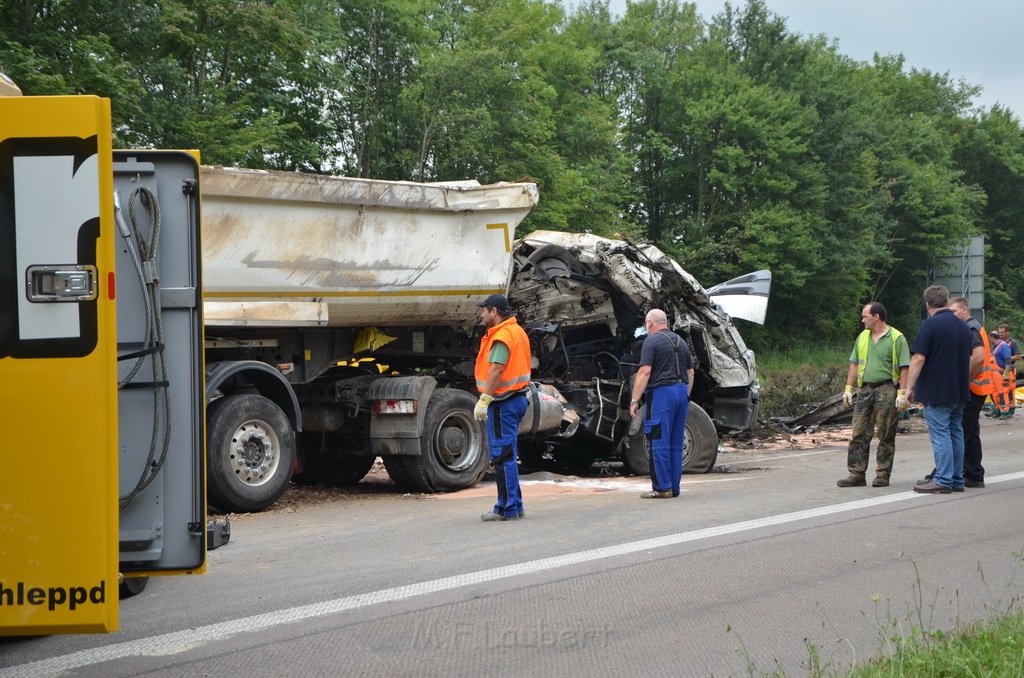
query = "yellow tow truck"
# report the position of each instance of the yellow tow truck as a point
(101, 366)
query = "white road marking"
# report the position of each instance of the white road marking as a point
(181, 641)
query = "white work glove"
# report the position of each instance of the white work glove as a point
(480, 411)
(901, 400)
(848, 395)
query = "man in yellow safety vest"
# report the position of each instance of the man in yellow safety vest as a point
(878, 370)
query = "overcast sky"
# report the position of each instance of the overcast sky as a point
(979, 41)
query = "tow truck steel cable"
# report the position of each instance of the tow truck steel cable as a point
(144, 255)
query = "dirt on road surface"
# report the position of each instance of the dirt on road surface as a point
(602, 477)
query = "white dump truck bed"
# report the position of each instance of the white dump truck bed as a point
(286, 249)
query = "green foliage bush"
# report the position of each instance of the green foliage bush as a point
(794, 381)
(790, 392)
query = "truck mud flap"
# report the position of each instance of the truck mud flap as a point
(399, 434)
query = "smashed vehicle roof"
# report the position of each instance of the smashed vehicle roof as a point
(575, 279)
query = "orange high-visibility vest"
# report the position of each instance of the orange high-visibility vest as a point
(990, 379)
(516, 374)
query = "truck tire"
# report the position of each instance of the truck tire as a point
(636, 458)
(700, 454)
(701, 441)
(454, 447)
(250, 451)
(319, 465)
(131, 586)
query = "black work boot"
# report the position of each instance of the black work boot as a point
(852, 480)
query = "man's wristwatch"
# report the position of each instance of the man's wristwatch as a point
(633, 402)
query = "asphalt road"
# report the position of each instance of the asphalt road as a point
(765, 567)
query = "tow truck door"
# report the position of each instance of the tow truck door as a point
(160, 363)
(58, 378)
(101, 376)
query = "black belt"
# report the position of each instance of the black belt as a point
(669, 383)
(876, 384)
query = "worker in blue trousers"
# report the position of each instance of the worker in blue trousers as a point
(503, 377)
(664, 379)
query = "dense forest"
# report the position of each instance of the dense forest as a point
(729, 141)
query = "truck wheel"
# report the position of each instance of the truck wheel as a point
(320, 466)
(635, 455)
(701, 441)
(454, 447)
(701, 445)
(131, 586)
(250, 450)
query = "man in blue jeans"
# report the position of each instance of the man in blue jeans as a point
(939, 377)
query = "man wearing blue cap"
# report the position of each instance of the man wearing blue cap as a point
(502, 377)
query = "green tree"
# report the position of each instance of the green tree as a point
(734, 143)
(484, 104)
(209, 74)
(61, 48)
(372, 50)
(595, 187)
(745, 193)
(217, 72)
(656, 39)
(929, 209)
(991, 155)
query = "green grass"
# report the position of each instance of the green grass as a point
(799, 357)
(794, 382)
(987, 647)
(991, 648)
